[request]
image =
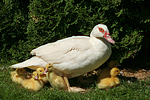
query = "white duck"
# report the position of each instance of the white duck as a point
(75, 55)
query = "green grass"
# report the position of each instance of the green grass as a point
(139, 90)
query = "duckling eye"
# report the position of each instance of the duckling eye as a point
(40, 71)
(101, 30)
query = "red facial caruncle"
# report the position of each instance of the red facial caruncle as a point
(106, 35)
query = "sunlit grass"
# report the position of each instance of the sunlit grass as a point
(129, 89)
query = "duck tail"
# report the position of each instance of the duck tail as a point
(32, 63)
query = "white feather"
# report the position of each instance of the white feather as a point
(32, 63)
(73, 56)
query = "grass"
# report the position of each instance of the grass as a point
(129, 89)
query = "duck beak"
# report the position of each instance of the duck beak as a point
(108, 38)
(45, 71)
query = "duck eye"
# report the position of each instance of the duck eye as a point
(101, 30)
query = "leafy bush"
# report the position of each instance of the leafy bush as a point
(13, 23)
(27, 25)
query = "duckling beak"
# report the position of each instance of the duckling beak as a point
(36, 77)
(45, 71)
(121, 72)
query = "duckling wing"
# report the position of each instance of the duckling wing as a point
(59, 82)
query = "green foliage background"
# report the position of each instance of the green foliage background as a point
(27, 24)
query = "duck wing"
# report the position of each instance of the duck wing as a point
(63, 46)
(66, 52)
(62, 52)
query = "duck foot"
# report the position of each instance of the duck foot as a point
(77, 89)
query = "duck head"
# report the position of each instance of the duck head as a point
(101, 31)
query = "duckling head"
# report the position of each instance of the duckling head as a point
(114, 71)
(113, 63)
(21, 71)
(40, 71)
(49, 68)
(35, 75)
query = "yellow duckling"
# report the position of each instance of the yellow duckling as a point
(59, 82)
(109, 81)
(105, 72)
(55, 80)
(18, 75)
(42, 77)
(35, 83)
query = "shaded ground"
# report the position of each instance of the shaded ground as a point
(138, 67)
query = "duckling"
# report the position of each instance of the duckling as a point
(18, 75)
(109, 81)
(35, 83)
(105, 72)
(59, 82)
(55, 80)
(42, 77)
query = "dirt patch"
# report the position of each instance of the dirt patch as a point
(140, 74)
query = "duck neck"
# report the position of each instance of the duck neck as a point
(99, 43)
